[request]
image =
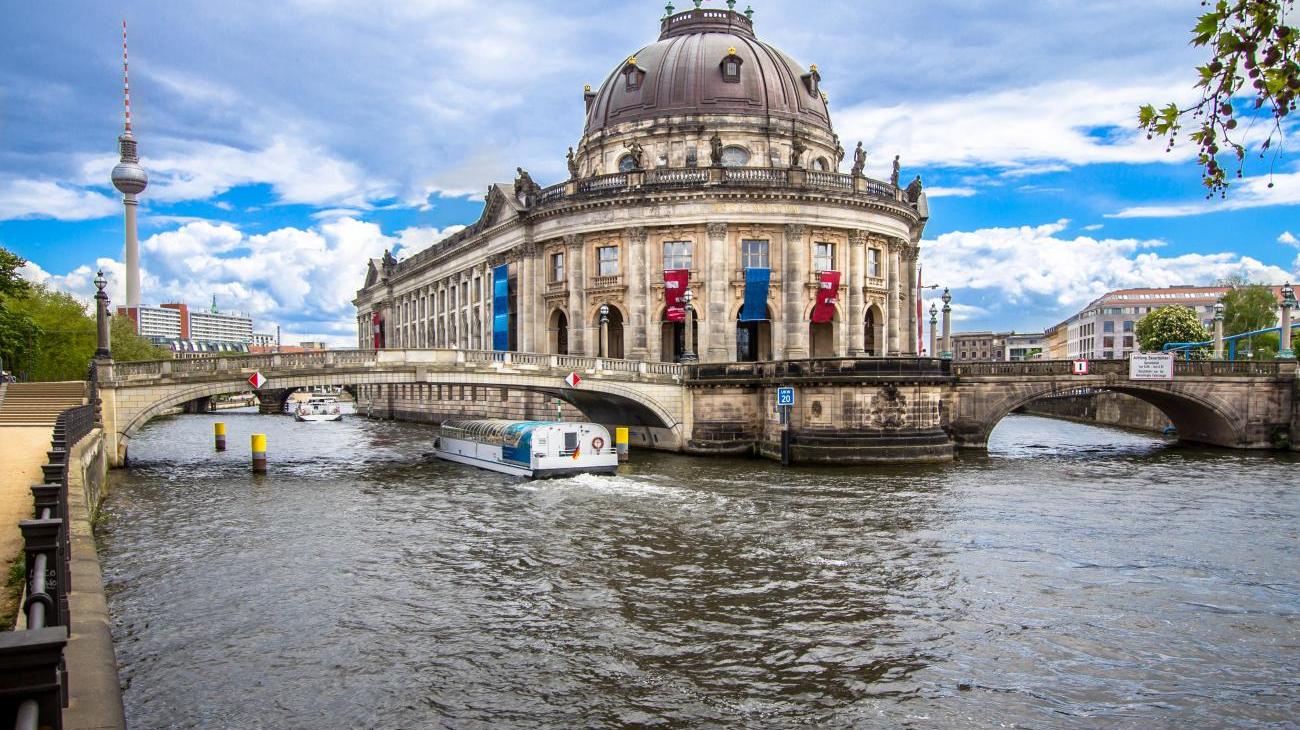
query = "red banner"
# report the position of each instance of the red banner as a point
(675, 281)
(827, 287)
(377, 330)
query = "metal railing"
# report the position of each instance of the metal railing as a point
(33, 672)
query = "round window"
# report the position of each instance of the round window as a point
(735, 156)
(626, 163)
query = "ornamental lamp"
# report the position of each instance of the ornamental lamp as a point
(1218, 310)
(1288, 296)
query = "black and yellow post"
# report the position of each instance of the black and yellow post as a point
(620, 442)
(219, 435)
(259, 453)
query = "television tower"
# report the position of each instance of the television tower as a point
(130, 180)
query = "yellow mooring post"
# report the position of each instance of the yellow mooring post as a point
(219, 433)
(620, 441)
(259, 453)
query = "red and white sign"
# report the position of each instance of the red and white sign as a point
(1080, 367)
(828, 285)
(675, 281)
(256, 380)
(572, 380)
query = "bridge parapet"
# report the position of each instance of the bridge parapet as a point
(1202, 368)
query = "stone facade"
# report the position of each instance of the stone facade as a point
(646, 193)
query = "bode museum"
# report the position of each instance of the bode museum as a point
(705, 219)
(708, 164)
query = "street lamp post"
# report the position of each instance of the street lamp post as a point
(604, 329)
(1218, 330)
(103, 347)
(934, 330)
(947, 324)
(1288, 303)
(688, 347)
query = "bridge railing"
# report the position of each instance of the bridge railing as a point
(33, 672)
(1118, 367)
(912, 367)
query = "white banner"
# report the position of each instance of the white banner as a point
(1151, 366)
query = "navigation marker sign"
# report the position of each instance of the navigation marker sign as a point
(572, 379)
(1080, 367)
(256, 380)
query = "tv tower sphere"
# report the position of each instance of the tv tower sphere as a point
(128, 177)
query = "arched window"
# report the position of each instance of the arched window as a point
(633, 74)
(626, 163)
(730, 66)
(821, 165)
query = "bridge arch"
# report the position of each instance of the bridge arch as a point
(1198, 417)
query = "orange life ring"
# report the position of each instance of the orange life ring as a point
(598, 443)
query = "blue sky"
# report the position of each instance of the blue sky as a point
(286, 142)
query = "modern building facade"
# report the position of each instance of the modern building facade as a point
(175, 326)
(225, 327)
(1106, 328)
(707, 152)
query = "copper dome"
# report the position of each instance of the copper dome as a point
(682, 74)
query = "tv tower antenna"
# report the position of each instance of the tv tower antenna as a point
(130, 179)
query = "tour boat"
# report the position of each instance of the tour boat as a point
(319, 408)
(534, 449)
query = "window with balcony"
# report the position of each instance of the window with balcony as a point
(823, 256)
(557, 266)
(677, 254)
(873, 263)
(607, 261)
(692, 158)
(753, 254)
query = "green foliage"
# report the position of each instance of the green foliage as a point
(64, 338)
(1248, 40)
(1248, 308)
(1169, 324)
(127, 345)
(11, 284)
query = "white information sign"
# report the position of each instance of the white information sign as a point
(1151, 366)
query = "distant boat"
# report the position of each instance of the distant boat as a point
(319, 408)
(535, 449)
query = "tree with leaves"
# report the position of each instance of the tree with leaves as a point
(1250, 41)
(128, 346)
(65, 335)
(1249, 308)
(18, 332)
(1170, 324)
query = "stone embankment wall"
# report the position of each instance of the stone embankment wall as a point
(94, 691)
(1105, 408)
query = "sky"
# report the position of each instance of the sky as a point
(287, 142)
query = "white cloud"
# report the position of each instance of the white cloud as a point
(1022, 131)
(302, 279)
(942, 192)
(1094, 227)
(296, 171)
(1288, 239)
(1251, 192)
(43, 199)
(1033, 265)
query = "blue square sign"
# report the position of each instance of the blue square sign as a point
(785, 396)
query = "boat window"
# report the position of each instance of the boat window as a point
(571, 441)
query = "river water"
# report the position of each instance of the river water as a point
(1074, 576)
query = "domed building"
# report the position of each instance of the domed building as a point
(708, 165)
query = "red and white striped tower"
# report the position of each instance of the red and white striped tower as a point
(130, 179)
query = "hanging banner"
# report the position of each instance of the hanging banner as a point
(828, 285)
(501, 307)
(675, 282)
(920, 327)
(377, 330)
(756, 282)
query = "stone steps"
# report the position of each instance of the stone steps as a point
(39, 404)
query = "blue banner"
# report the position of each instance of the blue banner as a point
(501, 307)
(756, 281)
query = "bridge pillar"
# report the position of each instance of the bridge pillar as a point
(271, 400)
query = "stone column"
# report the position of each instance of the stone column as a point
(895, 323)
(637, 295)
(719, 342)
(934, 334)
(793, 276)
(857, 306)
(912, 341)
(525, 306)
(947, 324)
(1284, 341)
(577, 294)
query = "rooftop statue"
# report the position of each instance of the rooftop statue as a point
(525, 188)
(914, 190)
(715, 150)
(839, 153)
(859, 160)
(635, 151)
(797, 149)
(893, 177)
(573, 165)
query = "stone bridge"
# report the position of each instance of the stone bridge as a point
(864, 410)
(623, 392)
